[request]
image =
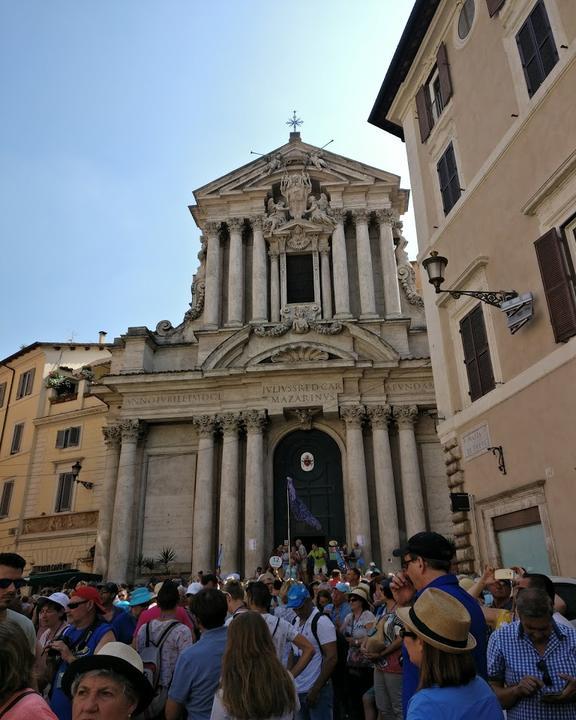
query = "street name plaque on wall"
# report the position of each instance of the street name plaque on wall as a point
(475, 442)
(298, 394)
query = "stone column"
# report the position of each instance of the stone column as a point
(112, 439)
(123, 520)
(365, 269)
(384, 479)
(213, 275)
(389, 269)
(235, 273)
(203, 556)
(340, 267)
(359, 512)
(326, 282)
(228, 529)
(410, 469)
(254, 504)
(274, 285)
(259, 274)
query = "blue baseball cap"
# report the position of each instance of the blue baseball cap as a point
(140, 596)
(344, 587)
(297, 596)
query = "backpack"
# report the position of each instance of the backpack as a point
(151, 655)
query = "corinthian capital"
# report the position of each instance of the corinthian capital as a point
(229, 422)
(255, 421)
(257, 222)
(132, 430)
(235, 224)
(361, 215)
(205, 425)
(212, 227)
(338, 214)
(385, 217)
(405, 415)
(379, 415)
(353, 415)
(112, 436)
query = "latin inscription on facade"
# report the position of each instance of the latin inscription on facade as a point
(172, 399)
(475, 442)
(302, 393)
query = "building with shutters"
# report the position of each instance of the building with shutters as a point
(482, 93)
(304, 353)
(49, 422)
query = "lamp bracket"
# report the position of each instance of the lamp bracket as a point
(498, 451)
(491, 297)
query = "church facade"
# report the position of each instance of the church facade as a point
(304, 354)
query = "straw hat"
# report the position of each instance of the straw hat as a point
(119, 657)
(440, 620)
(360, 592)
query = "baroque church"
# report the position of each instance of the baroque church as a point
(304, 354)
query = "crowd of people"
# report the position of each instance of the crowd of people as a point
(322, 636)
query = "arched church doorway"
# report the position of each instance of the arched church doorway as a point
(312, 459)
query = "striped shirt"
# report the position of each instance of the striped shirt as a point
(512, 656)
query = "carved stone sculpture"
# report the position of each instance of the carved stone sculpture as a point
(276, 215)
(406, 275)
(296, 188)
(299, 353)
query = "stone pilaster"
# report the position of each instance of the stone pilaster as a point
(125, 514)
(259, 274)
(379, 416)
(254, 505)
(340, 267)
(389, 270)
(228, 528)
(357, 492)
(203, 556)
(235, 273)
(274, 285)
(326, 280)
(213, 275)
(414, 516)
(112, 440)
(365, 269)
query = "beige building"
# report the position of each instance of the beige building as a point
(482, 92)
(49, 423)
(304, 354)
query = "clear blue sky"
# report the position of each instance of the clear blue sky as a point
(114, 111)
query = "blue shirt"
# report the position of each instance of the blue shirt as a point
(478, 628)
(474, 700)
(512, 656)
(339, 613)
(123, 624)
(197, 674)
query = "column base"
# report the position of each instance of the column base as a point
(394, 316)
(258, 321)
(369, 316)
(343, 316)
(233, 324)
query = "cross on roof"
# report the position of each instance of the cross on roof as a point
(295, 122)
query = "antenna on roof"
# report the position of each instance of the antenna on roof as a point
(328, 143)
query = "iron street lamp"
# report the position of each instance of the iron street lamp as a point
(76, 471)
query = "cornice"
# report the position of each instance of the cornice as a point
(72, 415)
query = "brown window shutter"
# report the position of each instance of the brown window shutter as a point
(444, 73)
(494, 6)
(476, 354)
(31, 381)
(558, 281)
(424, 109)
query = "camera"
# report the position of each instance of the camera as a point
(53, 653)
(504, 574)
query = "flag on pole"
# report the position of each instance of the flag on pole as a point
(220, 556)
(299, 509)
(340, 559)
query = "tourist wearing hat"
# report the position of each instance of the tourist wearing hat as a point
(438, 641)
(87, 633)
(52, 613)
(426, 560)
(109, 685)
(139, 600)
(355, 628)
(340, 605)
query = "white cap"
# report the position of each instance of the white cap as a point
(193, 588)
(233, 576)
(59, 598)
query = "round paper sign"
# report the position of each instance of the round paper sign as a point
(275, 561)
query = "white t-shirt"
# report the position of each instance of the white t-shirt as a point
(326, 634)
(282, 635)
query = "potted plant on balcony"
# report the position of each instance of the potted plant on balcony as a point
(61, 384)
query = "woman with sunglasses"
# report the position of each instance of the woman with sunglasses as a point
(355, 628)
(52, 617)
(437, 638)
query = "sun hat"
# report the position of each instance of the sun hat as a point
(266, 577)
(360, 592)
(140, 596)
(233, 576)
(59, 598)
(466, 583)
(193, 588)
(343, 587)
(297, 596)
(90, 593)
(429, 545)
(333, 543)
(440, 620)
(120, 658)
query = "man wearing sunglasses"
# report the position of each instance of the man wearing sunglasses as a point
(11, 571)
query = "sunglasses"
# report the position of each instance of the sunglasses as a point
(407, 633)
(405, 563)
(6, 582)
(74, 605)
(541, 665)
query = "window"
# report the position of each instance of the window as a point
(521, 540)
(466, 19)
(537, 47)
(70, 437)
(448, 178)
(64, 494)
(299, 278)
(17, 438)
(433, 96)
(558, 279)
(476, 354)
(5, 498)
(2, 393)
(25, 384)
